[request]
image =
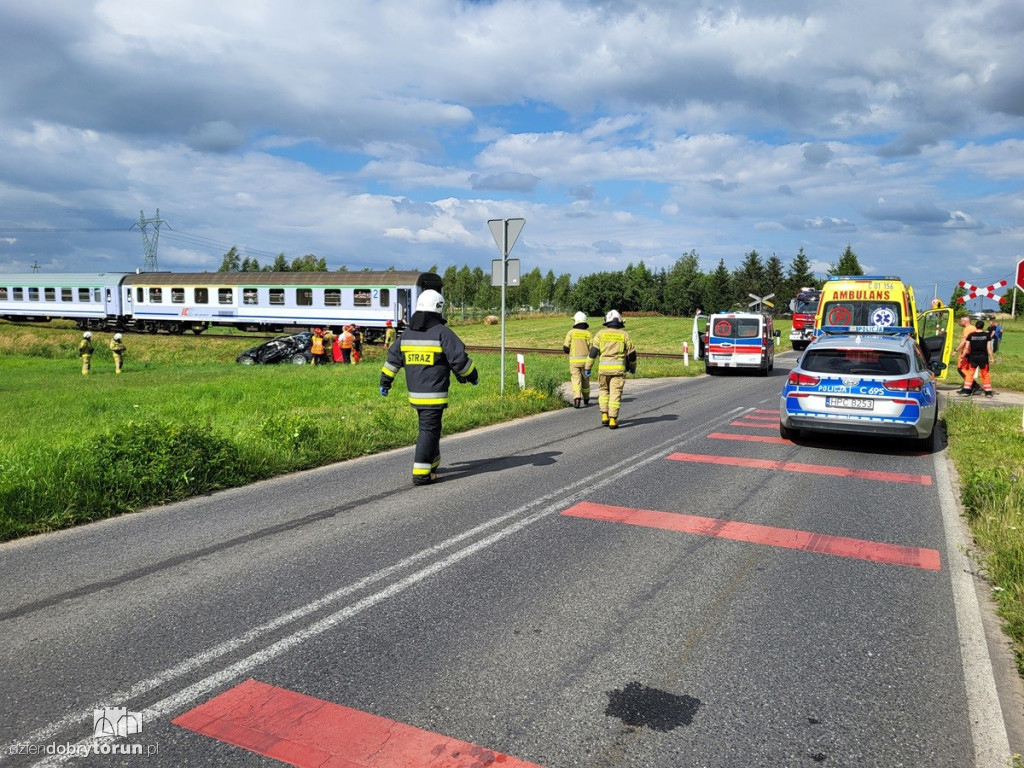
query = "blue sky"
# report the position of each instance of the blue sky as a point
(387, 134)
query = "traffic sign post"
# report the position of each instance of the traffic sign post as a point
(759, 300)
(505, 232)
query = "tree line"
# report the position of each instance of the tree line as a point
(677, 291)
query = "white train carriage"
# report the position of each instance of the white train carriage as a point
(272, 301)
(91, 300)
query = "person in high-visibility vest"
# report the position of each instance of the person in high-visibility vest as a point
(117, 349)
(430, 352)
(577, 347)
(390, 334)
(616, 356)
(85, 352)
(346, 341)
(316, 346)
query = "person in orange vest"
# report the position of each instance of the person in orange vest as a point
(345, 342)
(316, 346)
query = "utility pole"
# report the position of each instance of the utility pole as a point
(149, 244)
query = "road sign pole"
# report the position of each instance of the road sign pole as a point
(505, 239)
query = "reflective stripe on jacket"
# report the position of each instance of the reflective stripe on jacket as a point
(615, 350)
(577, 345)
(429, 356)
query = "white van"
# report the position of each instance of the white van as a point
(741, 340)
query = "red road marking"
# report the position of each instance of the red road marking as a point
(814, 469)
(759, 424)
(307, 732)
(766, 410)
(873, 551)
(748, 438)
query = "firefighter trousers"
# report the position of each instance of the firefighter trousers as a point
(428, 444)
(610, 393)
(580, 384)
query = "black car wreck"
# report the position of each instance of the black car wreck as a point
(284, 349)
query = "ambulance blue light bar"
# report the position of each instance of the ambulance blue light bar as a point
(889, 330)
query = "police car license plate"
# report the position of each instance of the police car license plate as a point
(858, 403)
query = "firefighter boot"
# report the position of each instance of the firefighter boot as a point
(613, 423)
(604, 419)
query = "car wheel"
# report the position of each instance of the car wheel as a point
(710, 370)
(788, 434)
(298, 359)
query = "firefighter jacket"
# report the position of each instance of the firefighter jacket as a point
(84, 348)
(614, 348)
(577, 344)
(117, 347)
(430, 352)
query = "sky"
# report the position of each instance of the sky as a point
(386, 134)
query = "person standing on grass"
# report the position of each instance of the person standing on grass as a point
(390, 334)
(345, 343)
(85, 352)
(430, 352)
(117, 349)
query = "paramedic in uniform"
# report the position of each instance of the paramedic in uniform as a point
(577, 347)
(616, 356)
(430, 352)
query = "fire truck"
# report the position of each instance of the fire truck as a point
(804, 307)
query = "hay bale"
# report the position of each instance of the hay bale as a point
(491, 320)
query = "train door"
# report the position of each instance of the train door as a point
(404, 303)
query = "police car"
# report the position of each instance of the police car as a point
(871, 383)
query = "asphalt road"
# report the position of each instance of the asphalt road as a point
(566, 595)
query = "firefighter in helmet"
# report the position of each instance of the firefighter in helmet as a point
(85, 352)
(390, 334)
(316, 346)
(615, 354)
(430, 352)
(577, 347)
(117, 349)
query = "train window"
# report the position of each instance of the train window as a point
(202, 296)
(304, 297)
(332, 297)
(225, 296)
(50, 294)
(96, 295)
(83, 295)
(277, 297)
(250, 296)
(66, 295)
(33, 294)
(156, 295)
(19, 294)
(139, 295)
(177, 295)
(361, 297)
(3, 293)
(385, 297)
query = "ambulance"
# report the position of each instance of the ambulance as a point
(880, 304)
(740, 340)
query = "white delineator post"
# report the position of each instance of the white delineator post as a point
(686, 354)
(521, 370)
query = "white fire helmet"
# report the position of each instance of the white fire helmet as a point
(117, 337)
(579, 317)
(430, 301)
(612, 316)
(86, 335)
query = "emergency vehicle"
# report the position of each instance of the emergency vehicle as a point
(874, 303)
(804, 308)
(740, 340)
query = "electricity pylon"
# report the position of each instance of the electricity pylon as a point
(149, 244)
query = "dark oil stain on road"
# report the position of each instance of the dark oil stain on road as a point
(639, 705)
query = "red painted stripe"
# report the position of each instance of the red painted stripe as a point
(759, 424)
(766, 410)
(814, 469)
(873, 551)
(307, 732)
(748, 438)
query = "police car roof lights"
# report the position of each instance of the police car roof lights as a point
(878, 330)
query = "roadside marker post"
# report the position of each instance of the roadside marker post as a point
(521, 370)
(686, 354)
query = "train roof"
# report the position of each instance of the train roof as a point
(381, 278)
(60, 278)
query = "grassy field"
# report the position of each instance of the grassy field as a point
(185, 419)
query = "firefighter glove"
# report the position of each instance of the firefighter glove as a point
(384, 391)
(586, 372)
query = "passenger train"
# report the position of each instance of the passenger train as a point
(176, 302)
